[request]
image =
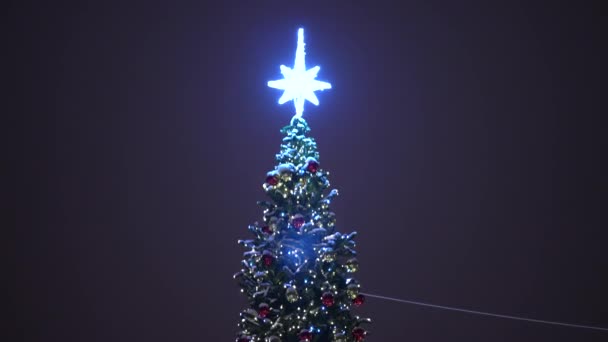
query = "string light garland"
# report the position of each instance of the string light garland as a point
(482, 313)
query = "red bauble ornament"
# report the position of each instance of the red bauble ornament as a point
(266, 230)
(268, 259)
(263, 310)
(312, 166)
(272, 180)
(243, 339)
(327, 299)
(305, 335)
(298, 222)
(360, 299)
(359, 334)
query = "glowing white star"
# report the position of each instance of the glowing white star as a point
(298, 83)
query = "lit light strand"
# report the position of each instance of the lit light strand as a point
(442, 307)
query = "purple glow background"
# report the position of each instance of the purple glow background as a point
(465, 141)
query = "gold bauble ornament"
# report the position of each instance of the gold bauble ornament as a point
(352, 291)
(352, 265)
(286, 176)
(328, 256)
(339, 338)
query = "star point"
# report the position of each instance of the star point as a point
(298, 83)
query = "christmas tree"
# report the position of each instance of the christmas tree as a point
(298, 271)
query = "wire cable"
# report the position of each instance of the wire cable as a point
(442, 307)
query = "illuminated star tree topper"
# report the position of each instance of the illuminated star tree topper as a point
(298, 83)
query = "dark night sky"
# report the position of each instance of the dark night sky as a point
(465, 140)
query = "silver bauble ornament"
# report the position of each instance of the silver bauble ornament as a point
(292, 294)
